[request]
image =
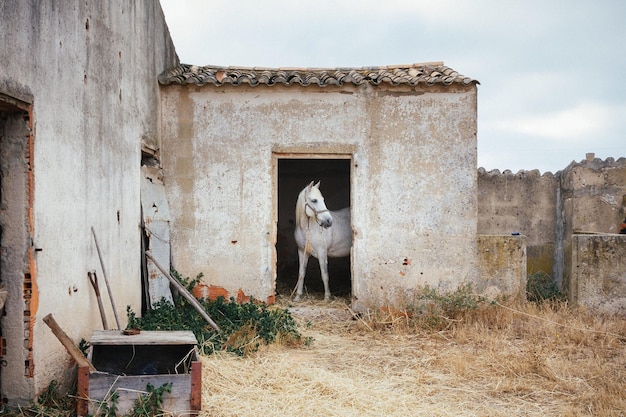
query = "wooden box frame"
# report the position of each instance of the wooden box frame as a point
(94, 387)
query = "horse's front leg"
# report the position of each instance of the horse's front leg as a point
(323, 259)
(303, 259)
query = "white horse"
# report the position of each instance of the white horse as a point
(321, 233)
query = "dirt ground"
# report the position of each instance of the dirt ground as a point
(502, 361)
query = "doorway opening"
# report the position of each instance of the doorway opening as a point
(294, 173)
(17, 284)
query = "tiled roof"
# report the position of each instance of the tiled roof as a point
(427, 73)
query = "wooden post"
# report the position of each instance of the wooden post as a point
(181, 288)
(195, 400)
(82, 392)
(106, 278)
(69, 345)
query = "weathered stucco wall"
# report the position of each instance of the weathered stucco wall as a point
(594, 195)
(594, 201)
(599, 272)
(89, 70)
(525, 203)
(586, 197)
(413, 174)
(502, 266)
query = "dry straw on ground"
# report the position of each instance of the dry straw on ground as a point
(498, 360)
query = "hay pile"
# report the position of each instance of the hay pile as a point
(499, 361)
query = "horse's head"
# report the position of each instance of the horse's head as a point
(314, 205)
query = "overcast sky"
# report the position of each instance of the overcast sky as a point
(552, 73)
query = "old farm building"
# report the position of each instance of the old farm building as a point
(101, 127)
(397, 144)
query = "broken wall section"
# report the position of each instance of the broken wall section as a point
(587, 197)
(502, 266)
(594, 202)
(15, 272)
(598, 280)
(524, 203)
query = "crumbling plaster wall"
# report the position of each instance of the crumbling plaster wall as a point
(524, 203)
(413, 191)
(599, 273)
(14, 227)
(594, 201)
(587, 197)
(89, 70)
(502, 266)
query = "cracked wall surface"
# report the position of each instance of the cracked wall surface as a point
(413, 180)
(88, 70)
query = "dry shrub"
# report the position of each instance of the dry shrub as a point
(498, 359)
(244, 340)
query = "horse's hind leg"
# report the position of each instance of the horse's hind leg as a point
(303, 259)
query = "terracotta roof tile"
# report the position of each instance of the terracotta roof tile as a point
(426, 73)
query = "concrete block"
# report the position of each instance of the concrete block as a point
(501, 265)
(599, 272)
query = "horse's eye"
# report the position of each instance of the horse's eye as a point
(314, 200)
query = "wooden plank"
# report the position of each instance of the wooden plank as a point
(195, 399)
(184, 292)
(114, 337)
(129, 388)
(65, 340)
(82, 391)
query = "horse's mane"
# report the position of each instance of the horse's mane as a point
(300, 212)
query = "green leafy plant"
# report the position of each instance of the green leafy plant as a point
(108, 408)
(541, 287)
(84, 346)
(244, 326)
(149, 404)
(132, 319)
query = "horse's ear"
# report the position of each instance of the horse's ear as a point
(310, 185)
(317, 185)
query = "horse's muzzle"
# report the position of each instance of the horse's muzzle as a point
(326, 223)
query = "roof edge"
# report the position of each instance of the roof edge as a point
(428, 73)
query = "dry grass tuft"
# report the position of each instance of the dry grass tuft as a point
(494, 360)
(245, 339)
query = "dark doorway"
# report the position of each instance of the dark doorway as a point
(293, 175)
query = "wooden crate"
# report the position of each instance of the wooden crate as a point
(127, 364)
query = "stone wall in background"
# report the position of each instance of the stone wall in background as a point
(593, 202)
(524, 203)
(551, 210)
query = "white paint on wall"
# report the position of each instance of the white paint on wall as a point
(413, 179)
(89, 70)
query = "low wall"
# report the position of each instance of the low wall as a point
(598, 279)
(501, 266)
(526, 203)
(586, 197)
(593, 201)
